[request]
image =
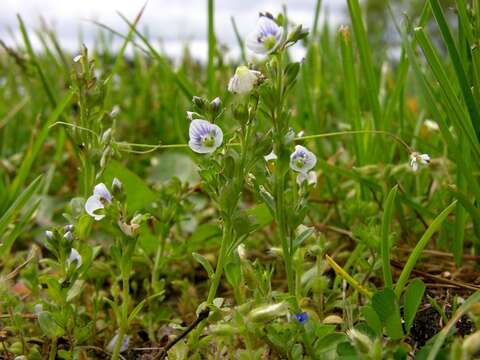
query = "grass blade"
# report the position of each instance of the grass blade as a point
(385, 245)
(417, 251)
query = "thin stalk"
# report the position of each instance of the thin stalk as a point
(211, 48)
(227, 230)
(53, 350)
(124, 316)
(126, 146)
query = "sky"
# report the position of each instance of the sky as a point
(175, 22)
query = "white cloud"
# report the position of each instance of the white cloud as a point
(176, 22)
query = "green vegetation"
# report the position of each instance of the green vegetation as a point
(322, 209)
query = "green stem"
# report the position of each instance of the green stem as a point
(53, 350)
(227, 229)
(124, 316)
(126, 146)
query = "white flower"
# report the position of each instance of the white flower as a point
(49, 234)
(77, 58)
(37, 309)
(117, 186)
(431, 125)
(270, 157)
(266, 37)
(310, 177)
(215, 103)
(68, 236)
(123, 348)
(205, 137)
(302, 160)
(416, 159)
(74, 256)
(97, 201)
(244, 80)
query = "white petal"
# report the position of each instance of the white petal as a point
(102, 191)
(312, 178)
(123, 347)
(425, 159)
(254, 45)
(270, 157)
(307, 157)
(200, 128)
(414, 165)
(301, 177)
(93, 204)
(74, 256)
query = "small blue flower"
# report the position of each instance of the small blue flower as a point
(205, 137)
(266, 37)
(301, 317)
(302, 160)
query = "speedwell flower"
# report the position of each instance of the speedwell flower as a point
(270, 157)
(123, 347)
(74, 256)
(266, 37)
(244, 80)
(302, 160)
(301, 317)
(205, 137)
(416, 159)
(97, 201)
(310, 178)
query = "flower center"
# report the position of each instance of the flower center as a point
(269, 42)
(299, 162)
(208, 140)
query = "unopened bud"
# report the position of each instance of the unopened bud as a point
(49, 234)
(68, 236)
(268, 312)
(362, 342)
(117, 186)
(215, 104)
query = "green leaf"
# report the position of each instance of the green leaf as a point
(137, 191)
(140, 306)
(233, 272)
(49, 326)
(204, 262)
(298, 241)
(387, 219)
(412, 300)
(465, 87)
(386, 306)
(417, 251)
(32, 152)
(372, 319)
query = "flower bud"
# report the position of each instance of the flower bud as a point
(117, 186)
(361, 341)
(49, 234)
(68, 227)
(199, 102)
(268, 312)
(68, 236)
(215, 104)
(106, 136)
